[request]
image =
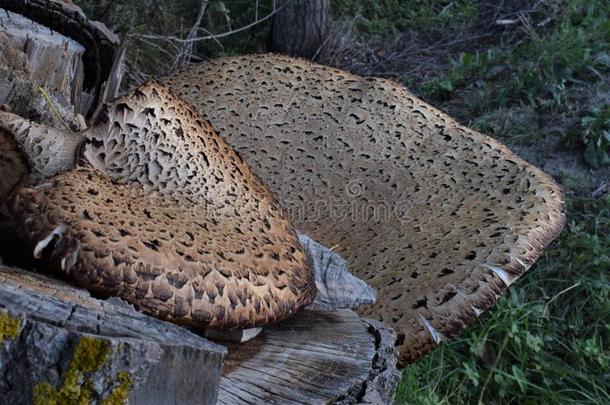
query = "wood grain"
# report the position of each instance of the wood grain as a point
(316, 357)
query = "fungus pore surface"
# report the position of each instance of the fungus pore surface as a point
(438, 218)
(165, 214)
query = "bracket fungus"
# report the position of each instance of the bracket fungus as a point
(439, 218)
(164, 214)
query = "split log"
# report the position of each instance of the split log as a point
(57, 341)
(313, 358)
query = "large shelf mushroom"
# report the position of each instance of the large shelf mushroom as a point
(165, 215)
(438, 218)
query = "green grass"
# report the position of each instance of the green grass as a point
(596, 135)
(551, 71)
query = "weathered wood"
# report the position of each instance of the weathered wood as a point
(50, 43)
(337, 287)
(35, 57)
(300, 27)
(384, 376)
(44, 322)
(315, 357)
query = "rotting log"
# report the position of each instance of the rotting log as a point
(50, 330)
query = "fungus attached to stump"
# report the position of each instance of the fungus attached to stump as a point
(166, 215)
(440, 219)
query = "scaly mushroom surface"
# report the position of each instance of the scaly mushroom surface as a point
(166, 215)
(439, 218)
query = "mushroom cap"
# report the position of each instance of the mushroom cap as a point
(13, 165)
(14, 170)
(167, 216)
(439, 218)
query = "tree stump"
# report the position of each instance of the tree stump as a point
(57, 340)
(50, 44)
(315, 357)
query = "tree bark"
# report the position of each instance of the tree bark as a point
(300, 28)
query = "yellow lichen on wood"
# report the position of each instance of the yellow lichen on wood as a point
(9, 327)
(89, 356)
(119, 395)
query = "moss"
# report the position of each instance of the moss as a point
(119, 395)
(89, 356)
(10, 328)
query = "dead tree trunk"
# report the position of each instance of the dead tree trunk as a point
(300, 28)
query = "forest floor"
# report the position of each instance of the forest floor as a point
(533, 74)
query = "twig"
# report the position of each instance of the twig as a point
(546, 307)
(446, 8)
(603, 187)
(53, 108)
(216, 36)
(187, 48)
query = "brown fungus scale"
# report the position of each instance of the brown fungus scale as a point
(439, 218)
(165, 215)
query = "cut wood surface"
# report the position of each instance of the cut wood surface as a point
(47, 328)
(313, 358)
